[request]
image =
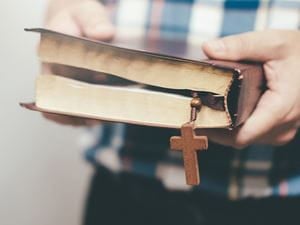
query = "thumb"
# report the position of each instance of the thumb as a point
(255, 46)
(93, 21)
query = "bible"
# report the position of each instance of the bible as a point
(161, 90)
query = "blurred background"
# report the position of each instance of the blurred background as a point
(43, 179)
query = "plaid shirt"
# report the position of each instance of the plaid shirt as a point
(257, 171)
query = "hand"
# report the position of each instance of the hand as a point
(85, 18)
(276, 118)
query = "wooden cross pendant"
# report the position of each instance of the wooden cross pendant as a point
(189, 143)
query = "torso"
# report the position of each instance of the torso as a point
(183, 25)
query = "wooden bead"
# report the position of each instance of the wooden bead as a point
(196, 103)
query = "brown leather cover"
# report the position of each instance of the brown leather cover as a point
(247, 86)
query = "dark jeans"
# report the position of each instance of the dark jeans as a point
(127, 199)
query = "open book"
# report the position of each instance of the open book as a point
(160, 87)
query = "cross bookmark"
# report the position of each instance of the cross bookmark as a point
(189, 144)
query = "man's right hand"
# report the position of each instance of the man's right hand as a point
(82, 18)
(276, 118)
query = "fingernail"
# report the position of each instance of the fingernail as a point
(216, 45)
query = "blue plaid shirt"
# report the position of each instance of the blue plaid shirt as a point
(257, 171)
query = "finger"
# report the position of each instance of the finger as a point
(63, 120)
(269, 113)
(93, 21)
(256, 46)
(279, 137)
(64, 23)
(71, 120)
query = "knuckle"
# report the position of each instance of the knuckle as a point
(279, 42)
(287, 113)
(285, 138)
(239, 144)
(288, 119)
(293, 113)
(278, 108)
(237, 46)
(280, 142)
